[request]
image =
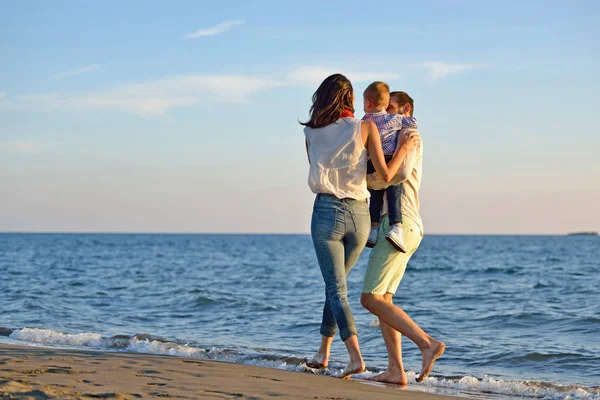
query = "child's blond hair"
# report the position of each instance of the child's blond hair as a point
(379, 93)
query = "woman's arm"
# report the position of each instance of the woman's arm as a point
(375, 182)
(373, 144)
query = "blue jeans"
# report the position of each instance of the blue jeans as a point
(339, 230)
(394, 196)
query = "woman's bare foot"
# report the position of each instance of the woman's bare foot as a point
(318, 361)
(395, 377)
(429, 355)
(352, 368)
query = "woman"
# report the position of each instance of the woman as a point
(337, 145)
(386, 265)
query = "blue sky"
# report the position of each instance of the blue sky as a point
(146, 116)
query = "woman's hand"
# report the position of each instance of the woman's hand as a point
(409, 140)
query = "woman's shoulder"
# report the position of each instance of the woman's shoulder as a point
(307, 130)
(349, 120)
(345, 122)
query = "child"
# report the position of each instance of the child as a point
(376, 99)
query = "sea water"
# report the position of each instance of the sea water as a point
(520, 315)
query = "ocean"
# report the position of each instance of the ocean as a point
(520, 315)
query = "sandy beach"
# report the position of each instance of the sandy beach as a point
(50, 373)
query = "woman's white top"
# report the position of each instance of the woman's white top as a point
(338, 159)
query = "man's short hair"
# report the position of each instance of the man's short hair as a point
(403, 98)
(379, 93)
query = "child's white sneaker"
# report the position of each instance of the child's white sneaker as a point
(396, 237)
(372, 240)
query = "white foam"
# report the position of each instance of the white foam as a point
(512, 388)
(172, 349)
(58, 338)
(374, 323)
(144, 345)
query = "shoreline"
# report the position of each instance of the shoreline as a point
(45, 373)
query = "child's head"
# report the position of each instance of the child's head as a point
(376, 97)
(401, 103)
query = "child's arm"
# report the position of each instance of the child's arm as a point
(410, 123)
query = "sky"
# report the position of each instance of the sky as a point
(156, 116)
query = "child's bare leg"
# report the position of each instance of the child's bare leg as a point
(396, 234)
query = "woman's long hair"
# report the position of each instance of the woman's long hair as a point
(332, 97)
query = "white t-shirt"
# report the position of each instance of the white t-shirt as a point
(338, 159)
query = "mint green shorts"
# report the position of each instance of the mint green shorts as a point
(386, 265)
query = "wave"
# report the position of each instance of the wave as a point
(202, 301)
(554, 356)
(542, 390)
(150, 344)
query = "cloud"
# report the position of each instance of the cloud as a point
(149, 98)
(21, 147)
(314, 75)
(215, 30)
(77, 71)
(440, 70)
(156, 97)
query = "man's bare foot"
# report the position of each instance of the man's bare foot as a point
(318, 361)
(397, 377)
(352, 368)
(429, 356)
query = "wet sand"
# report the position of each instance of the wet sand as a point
(42, 373)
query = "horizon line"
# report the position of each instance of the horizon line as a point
(268, 233)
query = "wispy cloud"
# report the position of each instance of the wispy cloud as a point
(215, 30)
(148, 98)
(21, 146)
(156, 97)
(314, 75)
(440, 70)
(77, 71)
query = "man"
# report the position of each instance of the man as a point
(386, 264)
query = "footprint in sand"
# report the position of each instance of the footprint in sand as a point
(193, 362)
(150, 371)
(263, 377)
(142, 375)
